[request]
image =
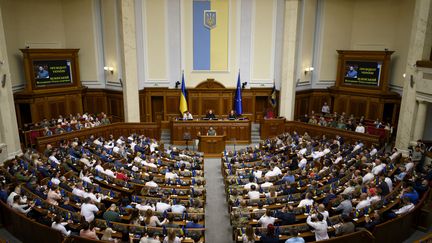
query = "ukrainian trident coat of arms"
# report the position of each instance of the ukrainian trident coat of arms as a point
(210, 19)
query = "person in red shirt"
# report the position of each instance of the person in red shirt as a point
(121, 175)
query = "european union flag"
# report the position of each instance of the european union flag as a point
(238, 98)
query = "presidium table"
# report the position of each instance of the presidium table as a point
(229, 131)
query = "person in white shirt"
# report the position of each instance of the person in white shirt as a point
(322, 210)
(379, 166)
(303, 162)
(274, 171)
(144, 207)
(162, 207)
(52, 158)
(79, 190)
(338, 159)
(364, 202)
(60, 226)
(20, 207)
(325, 108)
(373, 151)
(408, 206)
(187, 116)
(350, 189)
(257, 174)
(84, 159)
(409, 165)
(151, 183)
(88, 210)
(320, 227)
(253, 194)
(170, 175)
(266, 219)
(395, 154)
(360, 128)
(368, 176)
(249, 185)
(178, 208)
(17, 191)
(266, 184)
(389, 183)
(99, 167)
(357, 146)
(308, 201)
(109, 173)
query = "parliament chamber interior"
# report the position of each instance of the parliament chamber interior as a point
(215, 121)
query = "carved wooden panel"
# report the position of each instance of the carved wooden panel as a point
(172, 104)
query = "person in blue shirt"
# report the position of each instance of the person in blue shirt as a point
(411, 194)
(3, 193)
(294, 236)
(288, 177)
(194, 224)
(42, 73)
(352, 73)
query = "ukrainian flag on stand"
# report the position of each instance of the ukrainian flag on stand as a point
(272, 97)
(183, 103)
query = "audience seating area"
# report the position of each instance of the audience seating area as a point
(61, 125)
(292, 177)
(351, 123)
(129, 179)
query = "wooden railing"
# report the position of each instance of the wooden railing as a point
(148, 129)
(329, 132)
(26, 229)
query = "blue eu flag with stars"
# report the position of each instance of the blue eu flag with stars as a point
(238, 98)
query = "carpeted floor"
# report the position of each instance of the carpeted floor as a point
(217, 219)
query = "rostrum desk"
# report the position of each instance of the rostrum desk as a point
(236, 131)
(212, 146)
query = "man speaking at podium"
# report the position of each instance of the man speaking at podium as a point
(211, 132)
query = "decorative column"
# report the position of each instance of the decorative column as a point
(418, 42)
(288, 81)
(129, 61)
(420, 120)
(9, 137)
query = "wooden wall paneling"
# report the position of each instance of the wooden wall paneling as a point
(374, 110)
(172, 105)
(210, 103)
(157, 108)
(194, 106)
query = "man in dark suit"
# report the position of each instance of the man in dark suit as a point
(210, 115)
(286, 215)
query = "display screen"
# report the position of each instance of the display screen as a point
(52, 72)
(362, 73)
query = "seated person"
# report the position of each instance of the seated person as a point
(211, 132)
(269, 114)
(210, 115)
(232, 115)
(187, 116)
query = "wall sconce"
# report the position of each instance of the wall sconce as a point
(244, 85)
(308, 69)
(404, 75)
(109, 69)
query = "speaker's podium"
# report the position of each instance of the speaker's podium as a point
(212, 146)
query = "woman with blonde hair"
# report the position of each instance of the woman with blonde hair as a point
(152, 220)
(249, 235)
(107, 235)
(171, 237)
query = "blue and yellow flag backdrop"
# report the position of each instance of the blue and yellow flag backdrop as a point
(210, 34)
